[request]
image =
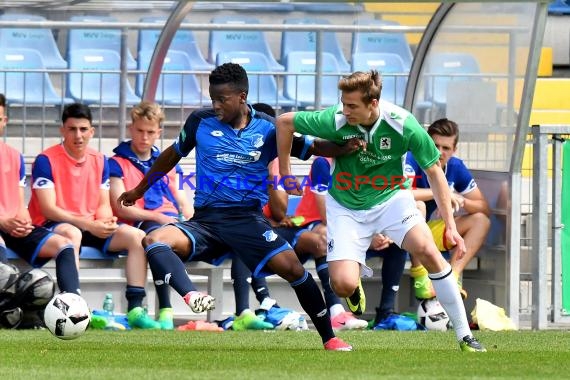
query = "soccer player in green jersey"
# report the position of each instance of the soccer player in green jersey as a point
(370, 194)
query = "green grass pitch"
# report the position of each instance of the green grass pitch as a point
(37, 355)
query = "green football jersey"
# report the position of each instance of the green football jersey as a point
(364, 179)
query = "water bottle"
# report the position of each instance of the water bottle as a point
(109, 307)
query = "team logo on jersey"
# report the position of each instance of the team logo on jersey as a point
(43, 183)
(385, 143)
(217, 133)
(270, 236)
(409, 170)
(330, 245)
(257, 140)
(395, 116)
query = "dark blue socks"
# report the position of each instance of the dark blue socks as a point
(66, 271)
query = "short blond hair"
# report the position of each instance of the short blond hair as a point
(149, 111)
(368, 83)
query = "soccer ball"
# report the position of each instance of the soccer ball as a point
(432, 315)
(67, 316)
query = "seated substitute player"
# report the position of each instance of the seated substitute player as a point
(70, 196)
(36, 245)
(370, 194)
(163, 202)
(471, 208)
(234, 146)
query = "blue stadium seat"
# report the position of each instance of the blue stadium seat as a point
(329, 7)
(240, 40)
(89, 253)
(373, 42)
(108, 39)
(96, 87)
(302, 87)
(445, 67)
(307, 41)
(393, 86)
(40, 39)
(173, 88)
(262, 87)
(559, 7)
(183, 41)
(27, 88)
(440, 70)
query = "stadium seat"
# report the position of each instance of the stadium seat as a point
(262, 87)
(27, 88)
(95, 86)
(374, 42)
(108, 39)
(240, 40)
(307, 41)
(393, 86)
(559, 7)
(183, 41)
(40, 39)
(302, 87)
(445, 67)
(173, 88)
(442, 69)
(328, 7)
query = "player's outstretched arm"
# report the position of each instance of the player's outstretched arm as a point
(163, 164)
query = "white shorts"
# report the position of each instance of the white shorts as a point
(350, 232)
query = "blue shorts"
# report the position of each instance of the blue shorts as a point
(148, 226)
(215, 231)
(292, 235)
(28, 247)
(88, 239)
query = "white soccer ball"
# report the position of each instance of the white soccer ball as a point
(432, 315)
(67, 316)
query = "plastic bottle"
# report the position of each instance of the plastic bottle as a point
(109, 307)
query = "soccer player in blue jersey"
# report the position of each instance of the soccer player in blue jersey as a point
(234, 146)
(471, 208)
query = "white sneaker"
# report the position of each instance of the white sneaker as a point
(347, 321)
(267, 304)
(200, 302)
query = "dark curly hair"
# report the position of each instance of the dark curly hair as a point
(232, 74)
(2, 101)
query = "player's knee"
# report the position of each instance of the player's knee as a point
(70, 233)
(482, 221)
(343, 287)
